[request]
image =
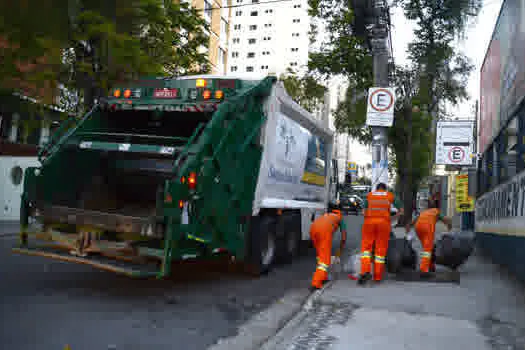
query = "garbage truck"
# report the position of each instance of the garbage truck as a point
(191, 167)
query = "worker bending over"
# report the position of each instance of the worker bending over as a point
(425, 225)
(321, 234)
(376, 231)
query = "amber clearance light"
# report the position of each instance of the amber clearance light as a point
(219, 94)
(206, 94)
(127, 93)
(116, 93)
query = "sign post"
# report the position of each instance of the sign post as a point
(380, 115)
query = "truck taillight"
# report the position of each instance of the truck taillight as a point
(206, 94)
(192, 181)
(181, 204)
(219, 94)
(116, 93)
(127, 93)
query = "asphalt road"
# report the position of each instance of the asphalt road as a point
(48, 304)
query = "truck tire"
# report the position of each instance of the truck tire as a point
(291, 242)
(262, 245)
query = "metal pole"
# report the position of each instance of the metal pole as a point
(379, 36)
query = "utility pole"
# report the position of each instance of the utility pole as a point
(378, 39)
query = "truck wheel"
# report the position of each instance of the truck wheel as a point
(292, 238)
(262, 246)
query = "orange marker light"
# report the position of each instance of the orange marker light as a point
(183, 180)
(127, 93)
(219, 94)
(116, 93)
(192, 181)
(181, 204)
(206, 94)
(200, 83)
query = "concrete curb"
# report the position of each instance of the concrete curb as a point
(283, 333)
(264, 327)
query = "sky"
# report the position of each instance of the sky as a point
(474, 45)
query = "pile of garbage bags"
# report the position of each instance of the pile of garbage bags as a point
(451, 250)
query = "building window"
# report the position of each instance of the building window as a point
(293, 64)
(253, 13)
(237, 27)
(233, 68)
(267, 25)
(264, 67)
(267, 38)
(296, 21)
(265, 53)
(296, 6)
(236, 40)
(268, 11)
(238, 13)
(249, 69)
(235, 54)
(251, 54)
(239, 1)
(255, 1)
(251, 41)
(295, 49)
(253, 27)
(295, 34)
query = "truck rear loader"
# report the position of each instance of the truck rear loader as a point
(179, 168)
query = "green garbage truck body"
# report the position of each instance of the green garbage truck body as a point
(182, 168)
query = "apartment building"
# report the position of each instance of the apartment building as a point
(268, 37)
(217, 14)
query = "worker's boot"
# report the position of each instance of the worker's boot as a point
(364, 278)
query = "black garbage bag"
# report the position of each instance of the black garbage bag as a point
(400, 255)
(454, 248)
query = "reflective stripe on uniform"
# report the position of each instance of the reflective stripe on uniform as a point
(425, 254)
(322, 267)
(379, 259)
(366, 255)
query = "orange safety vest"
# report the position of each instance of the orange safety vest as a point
(429, 216)
(379, 203)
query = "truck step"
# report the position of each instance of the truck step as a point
(131, 269)
(436, 277)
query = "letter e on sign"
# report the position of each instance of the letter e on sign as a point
(456, 155)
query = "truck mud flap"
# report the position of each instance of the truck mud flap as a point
(435, 277)
(131, 269)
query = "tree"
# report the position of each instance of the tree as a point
(89, 45)
(438, 75)
(305, 90)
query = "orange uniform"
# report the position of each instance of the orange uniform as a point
(376, 230)
(425, 229)
(321, 233)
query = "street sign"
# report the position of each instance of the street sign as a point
(455, 142)
(464, 202)
(351, 167)
(380, 110)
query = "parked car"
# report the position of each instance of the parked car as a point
(351, 204)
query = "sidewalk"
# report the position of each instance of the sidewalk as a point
(486, 311)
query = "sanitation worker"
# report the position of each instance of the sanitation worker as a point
(425, 225)
(321, 234)
(376, 231)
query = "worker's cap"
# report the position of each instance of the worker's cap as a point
(337, 211)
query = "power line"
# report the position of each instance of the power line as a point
(243, 5)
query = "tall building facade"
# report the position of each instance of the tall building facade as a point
(268, 37)
(217, 14)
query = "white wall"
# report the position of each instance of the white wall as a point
(9, 192)
(277, 21)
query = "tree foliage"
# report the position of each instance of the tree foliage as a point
(305, 90)
(438, 75)
(89, 45)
